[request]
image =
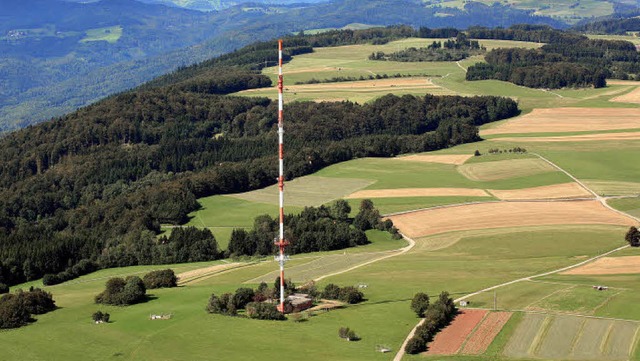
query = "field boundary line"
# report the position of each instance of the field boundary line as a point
(605, 340)
(605, 302)
(577, 338)
(402, 250)
(549, 295)
(535, 346)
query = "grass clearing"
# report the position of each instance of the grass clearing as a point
(627, 205)
(307, 191)
(109, 34)
(505, 169)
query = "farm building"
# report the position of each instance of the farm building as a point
(299, 302)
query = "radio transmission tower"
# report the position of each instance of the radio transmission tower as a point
(280, 241)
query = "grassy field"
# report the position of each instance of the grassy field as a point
(109, 34)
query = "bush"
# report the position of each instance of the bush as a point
(36, 301)
(4, 288)
(242, 297)
(98, 316)
(350, 295)
(633, 237)
(160, 279)
(264, 311)
(13, 314)
(122, 292)
(222, 305)
(415, 345)
(331, 292)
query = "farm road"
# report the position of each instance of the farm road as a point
(602, 200)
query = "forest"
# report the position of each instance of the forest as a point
(566, 60)
(95, 185)
(450, 50)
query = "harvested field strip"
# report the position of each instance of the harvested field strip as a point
(307, 191)
(608, 266)
(569, 120)
(505, 214)
(485, 333)
(505, 169)
(573, 138)
(418, 192)
(557, 191)
(456, 159)
(621, 340)
(613, 188)
(198, 274)
(524, 335)
(450, 339)
(588, 346)
(322, 266)
(559, 338)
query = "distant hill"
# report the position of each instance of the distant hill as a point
(56, 56)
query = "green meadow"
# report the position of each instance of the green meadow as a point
(109, 34)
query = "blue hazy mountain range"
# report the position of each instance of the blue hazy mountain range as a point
(56, 56)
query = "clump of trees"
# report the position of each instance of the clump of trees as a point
(510, 150)
(348, 294)
(100, 317)
(314, 229)
(258, 304)
(17, 308)
(123, 292)
(436, 316)
(633, 237)
(160, 279)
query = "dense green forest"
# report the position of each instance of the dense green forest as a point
(566, 60)
(96, 184)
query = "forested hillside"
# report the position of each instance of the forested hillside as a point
(97, 184)
(57, 56)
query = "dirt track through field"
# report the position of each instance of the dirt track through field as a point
(631, 97)
(418, 192)
(505, 215)
(608, 266)
(206, 272)
(556, 191)
(456, 159)
(572, 138)
(558, 120)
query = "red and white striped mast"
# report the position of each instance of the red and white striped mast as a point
(280, 241)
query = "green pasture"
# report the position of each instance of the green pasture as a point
(109, 34)
(627, 205)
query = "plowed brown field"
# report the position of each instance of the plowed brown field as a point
(449, 340)
(486, 332)
(504, 215)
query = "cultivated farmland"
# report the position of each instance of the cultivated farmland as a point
(563, 337)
